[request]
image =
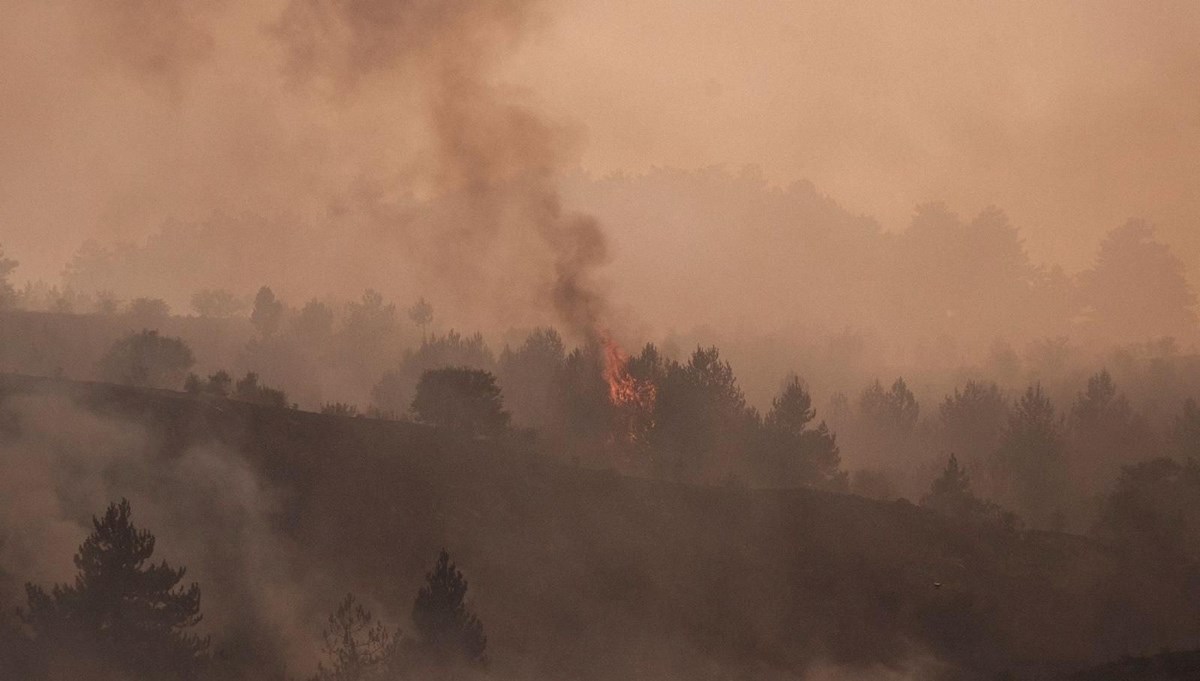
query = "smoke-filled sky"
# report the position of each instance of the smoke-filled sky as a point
(117, 115)
(1072, 116)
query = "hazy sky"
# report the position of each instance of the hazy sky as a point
(1070, 115)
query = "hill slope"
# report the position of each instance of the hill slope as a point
(575, 573)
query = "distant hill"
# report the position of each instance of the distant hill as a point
(584, 574)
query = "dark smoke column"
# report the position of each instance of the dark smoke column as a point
(494, 158)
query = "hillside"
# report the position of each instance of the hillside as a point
(579, 573)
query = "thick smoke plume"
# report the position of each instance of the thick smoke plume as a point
(498, 158)
(311, 145)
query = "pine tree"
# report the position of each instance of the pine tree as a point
(356, 646)
(792, 452)
(449, 631)
(129, 616)
(1032, 457)
(950, 492)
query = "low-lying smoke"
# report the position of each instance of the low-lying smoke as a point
(61, 464)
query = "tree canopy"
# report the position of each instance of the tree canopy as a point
(267, 312)
(448, 630)
(123, 612)
(355, 645)
(792, 452)
(462, 399)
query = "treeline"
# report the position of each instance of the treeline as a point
(1051, 463)
(949, 282)
(1047, 459)
(965, 278)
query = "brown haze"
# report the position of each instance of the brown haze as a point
(864, 241)
(1072, 116)
(321, 129)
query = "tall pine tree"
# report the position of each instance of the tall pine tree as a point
(124, 615)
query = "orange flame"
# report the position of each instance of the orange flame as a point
(624, 389)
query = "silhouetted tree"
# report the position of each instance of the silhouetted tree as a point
(219, 384)
(421, 314)
(465, 400)
(1153, 513)
(950, 492)
(1032, 458)
(1138, 288)
(147, 359)
(792, 453)
(587, 411)
(356, 647)
(248, 389)
(449, 632)
(895, 410)
(972, 422)
(966, 280)
(394, 391)
(884, 427)
(148, 309)
(339, 409)
(123, 614)
(313, 325)
(368, 342)
(702, 425)
(370, 317)
(951, 495)
(530, 376)
(267, 313)
(1151, 519)
(1105, 434)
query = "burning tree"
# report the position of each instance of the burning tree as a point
(633, 397)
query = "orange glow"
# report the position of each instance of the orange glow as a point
(633, 397)
(624, 389)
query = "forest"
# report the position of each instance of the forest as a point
(385, 340)
(902, 514)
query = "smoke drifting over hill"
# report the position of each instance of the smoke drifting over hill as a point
(757, 340)
(323, 146)
(337, 121)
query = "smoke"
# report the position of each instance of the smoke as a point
(499, 159)
(1072, 118)
(61, 464)
(52, 476)
(416, 147)
(173, 39)
(377, 133)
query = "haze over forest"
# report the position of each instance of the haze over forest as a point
(929, 267)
